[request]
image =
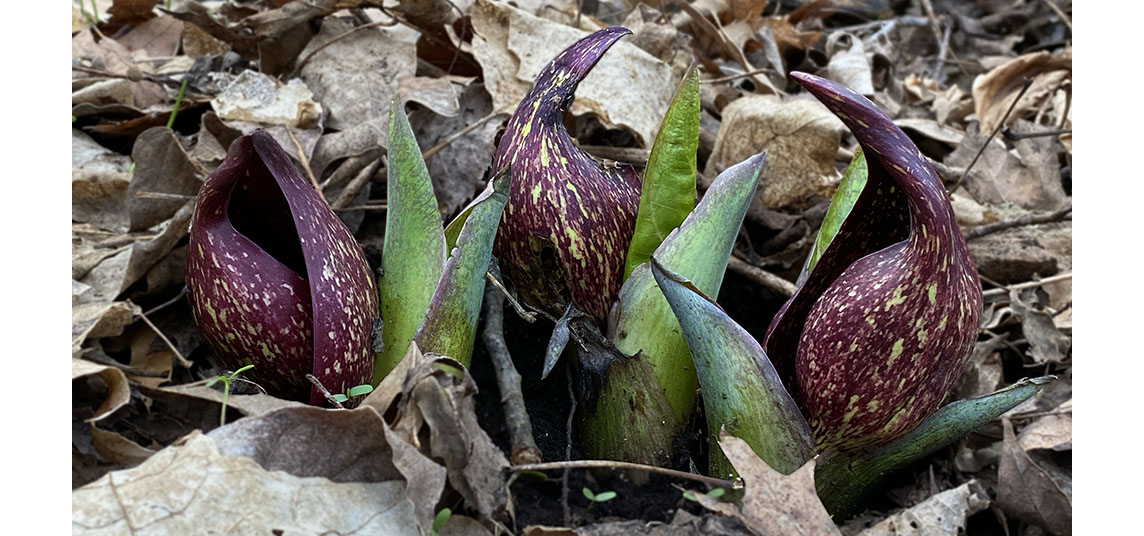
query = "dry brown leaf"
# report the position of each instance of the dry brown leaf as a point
(1029, 177)
(158, 37)
(92, 156)
(1015, 255)
(513, 46)
(165, 177)
(197, 42)
(774, 503)
(1033, 489)
(800, 137)
(114, 386)
(932, 130)
(1053, 431)
(95, 320)
(983, 374)
(943, 514)
(194, 489)
(108, 55)
(357, 76)
(437, 94)
(993, 92)
(1046, 343)
(118, 449)
(99, 197)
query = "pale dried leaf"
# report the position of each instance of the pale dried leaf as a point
(800, 137)
(158, 37)
(118, 449)
(993, 92)
(89, 155)
(774, 503)
(257, 98)
(1053, 431)
(100, 197)
(943, 514)
(437, 94)
(1047, 343)
(1029, 177)
(95, 320)
(118, 392)
(848, 64)
(165, 177)
(193, 489)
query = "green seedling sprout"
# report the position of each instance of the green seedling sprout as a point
(714, 494)
(226, 379)
(440, 520)
(594, 498)
(354, 392)
(178, 102)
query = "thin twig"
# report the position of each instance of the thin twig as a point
(567, 447)
(1060, 13)
(457, 135)
(631, 155)
(764, 278)
(182, 360)
(1032, 219)
(527, 316)
(731, 77)
(163, 195)
(168, 303)
(306, 164)
(1005, 289)
(516, 418)
(1014, 136)
(357, 183)
(378, 207)
(608, 464)
(325, 392)
(1024, 87)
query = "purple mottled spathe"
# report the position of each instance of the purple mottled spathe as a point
(569, 219)
(276, 280)
(875, 338)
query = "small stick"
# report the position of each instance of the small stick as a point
(1060, 13)
(168, 303)
(567, 448)
(163, 195)
(527, 316)
(519, 425)
(1004, 290)
(768, 280)
(377, 207)
(1014, 136)
(306, 164)
(1032, 219)
(731, 77)
(182, 360)
(1024, 87)
(457, 135)
(608, 464)
(325, 392)
(356, 184)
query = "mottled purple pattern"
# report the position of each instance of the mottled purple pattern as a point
(252, 308)
(891, 329)
(587, 210)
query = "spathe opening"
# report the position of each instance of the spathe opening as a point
(258, 210)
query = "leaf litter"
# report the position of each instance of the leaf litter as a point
(145, 425)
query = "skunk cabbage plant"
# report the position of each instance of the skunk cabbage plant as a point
(569, 218)
(881, 328)
(275, 278)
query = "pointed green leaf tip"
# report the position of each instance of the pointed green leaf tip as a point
(413, 254)
(663, 374)
(741, 390)
(853, 181)
(569, 219)
(844, 480)
(668, 191)
(451, 324)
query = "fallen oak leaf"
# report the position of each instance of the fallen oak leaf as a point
(774, 503)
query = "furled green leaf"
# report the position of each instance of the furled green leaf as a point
(450, 326)
(668, 192)
(741, 390)
(413, 254)
(646, 328)
(853, 181)
(844, 480)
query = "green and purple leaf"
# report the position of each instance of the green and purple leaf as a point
(874, 339)
(450, 326)
(645, 327)
(563, 203)
(668, 191)
(413, 254)
(275, 278)
(843, 480)
(741, 390)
